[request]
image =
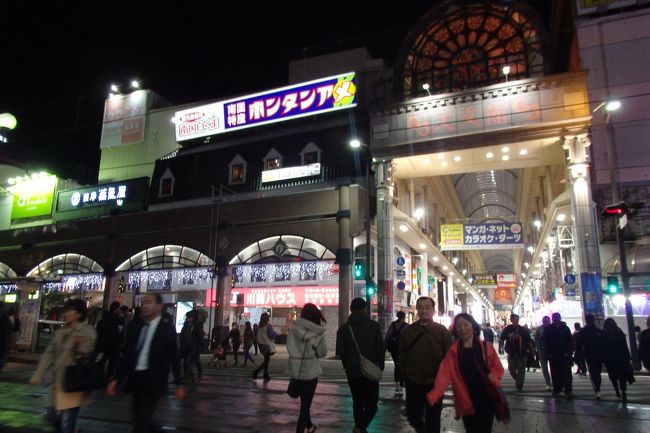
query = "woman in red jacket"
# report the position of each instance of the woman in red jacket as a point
(469, 365)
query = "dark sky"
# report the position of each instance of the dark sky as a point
(56, 71)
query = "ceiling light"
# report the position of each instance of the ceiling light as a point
(444, 268)
(435, 258)
(523, 152)
(440, 156)
(426, 161)
(505, 149)
(456, 158)
(403, 228)
(423, 246)
(561, 217)
(451, 274)
(505, 157)
(489, 155)
(537, 223)
(612, 106)
(444, 163)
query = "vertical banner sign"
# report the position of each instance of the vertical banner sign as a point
(306, 99)
(506, 283)
(592, 294)
(124, 119)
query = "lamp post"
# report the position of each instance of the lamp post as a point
(506, 71)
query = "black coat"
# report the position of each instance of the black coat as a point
(369, 339)
(558, 340)
(163, 355)
(588, 343)
(616, 355)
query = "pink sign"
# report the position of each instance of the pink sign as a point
(323, 296)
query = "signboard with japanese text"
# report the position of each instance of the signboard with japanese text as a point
(299, 171)
(484, 281)
(586, 7)
(127, 195)
(487, 236)
(305, 99)
(506, 283)
(33, 197)
(124, 119)
(292, 296)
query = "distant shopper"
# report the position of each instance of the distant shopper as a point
(5, 332)
(74, 341)
(15, 329)
(235, 341)
(422, 347)
(255, 326)
(191, 340)
(559, 347)
(517, 346)
(305, 345)
(365, 392)
(474, 370)
(249, 340)
(588, 346)
(644, 345)
(265, 339)
(578, 359)
(392, 345)
(616, 357)
(540, 347)
(108, 338)
(488, 333)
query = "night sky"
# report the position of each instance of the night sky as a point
(59, 63)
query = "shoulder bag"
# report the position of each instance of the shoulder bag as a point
(86, 375)
(498, 397)
(369, 369)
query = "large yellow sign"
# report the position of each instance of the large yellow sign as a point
(451, 235)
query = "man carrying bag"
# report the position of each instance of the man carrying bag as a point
(365, 333)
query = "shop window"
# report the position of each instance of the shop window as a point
(166, 187)
(237, 170)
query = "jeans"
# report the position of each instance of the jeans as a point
(397, 375)
(543, 362)
(307, 391)
(235, 349)
(65, 421)
(365, 395)
(417, 407)
(247, 354)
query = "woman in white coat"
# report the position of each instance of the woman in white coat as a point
(305, 344)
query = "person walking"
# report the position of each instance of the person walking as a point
(249, 341)
(74, 341)
(559, 347)
(542, 356)
(191, 340)
(469, 365)
(235, 341)
(149, 354)
(366, 333)
(5, 333)
(255, 326)
(108, 338)
(265, 340)
(392, 345)
(14, 330)
(588, 346)
(617, 359)
(488, 333)
(305, 345)
(644, 345)
(422, 347)
(517, 345)
(578, 359)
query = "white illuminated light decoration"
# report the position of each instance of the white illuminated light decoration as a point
(75, 283)
(319, 271)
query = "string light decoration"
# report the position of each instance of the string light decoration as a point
(165, 279)
(321, 272)
(76, 283)
(456, 49)
(8, 288)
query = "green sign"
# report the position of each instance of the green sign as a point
(33, 197)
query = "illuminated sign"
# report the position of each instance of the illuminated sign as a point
(124, 119)
(33, 197)
(586, 7)
(323, 296)
(127, 194)
(488, 236)
(292, 102)
(290, 173)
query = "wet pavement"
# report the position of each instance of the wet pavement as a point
(227, 400)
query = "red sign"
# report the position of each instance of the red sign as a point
(323, 296)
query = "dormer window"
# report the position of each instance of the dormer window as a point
(166, 185)
(273, 160)
(237, 169)
(310, 154)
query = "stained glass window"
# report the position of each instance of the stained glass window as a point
(468, 48)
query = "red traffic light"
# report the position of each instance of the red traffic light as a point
(613, 210)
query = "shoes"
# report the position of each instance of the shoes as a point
(267, 379)
(549, 388)
(253, 376)
(313, 428)
(597, 395)
(398, 390)
(569, 396)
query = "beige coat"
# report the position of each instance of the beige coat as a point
(60, 353)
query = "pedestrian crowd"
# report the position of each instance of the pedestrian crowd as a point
(137, 353)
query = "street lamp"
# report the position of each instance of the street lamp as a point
(370, 288)
(426, 87)
(506, 71)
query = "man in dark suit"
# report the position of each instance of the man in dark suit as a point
(149, 353)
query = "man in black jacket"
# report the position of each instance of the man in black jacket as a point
(588, 346)
(559, 347)
(365, 393)
(517, 343)
(149, 353)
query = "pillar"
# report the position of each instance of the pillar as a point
(385, 243)
(344, 253)
(223, 297)
(585, 226)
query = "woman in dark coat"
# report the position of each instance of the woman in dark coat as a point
(616, 356)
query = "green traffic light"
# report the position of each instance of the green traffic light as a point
(612, 285)
(359, 273)
(370, 289)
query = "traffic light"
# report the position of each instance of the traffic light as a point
(359, 270)
(370, 288)
(613, 287)
(615, 210)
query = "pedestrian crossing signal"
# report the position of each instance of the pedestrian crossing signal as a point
(359, 271)
(370, 289)
(613, 287)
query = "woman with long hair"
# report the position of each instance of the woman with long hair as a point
(306, 344)
(616, 356)
(73, 342)
(475, 371)
(265, 337)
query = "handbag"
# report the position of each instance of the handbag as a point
(369, 369)
(294, 388)
(86, 375)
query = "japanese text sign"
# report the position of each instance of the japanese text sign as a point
(487, 236)
(33, 197)
(323, 296)
(124, 119)
(300, 100)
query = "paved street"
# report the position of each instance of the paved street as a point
(226, 400)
